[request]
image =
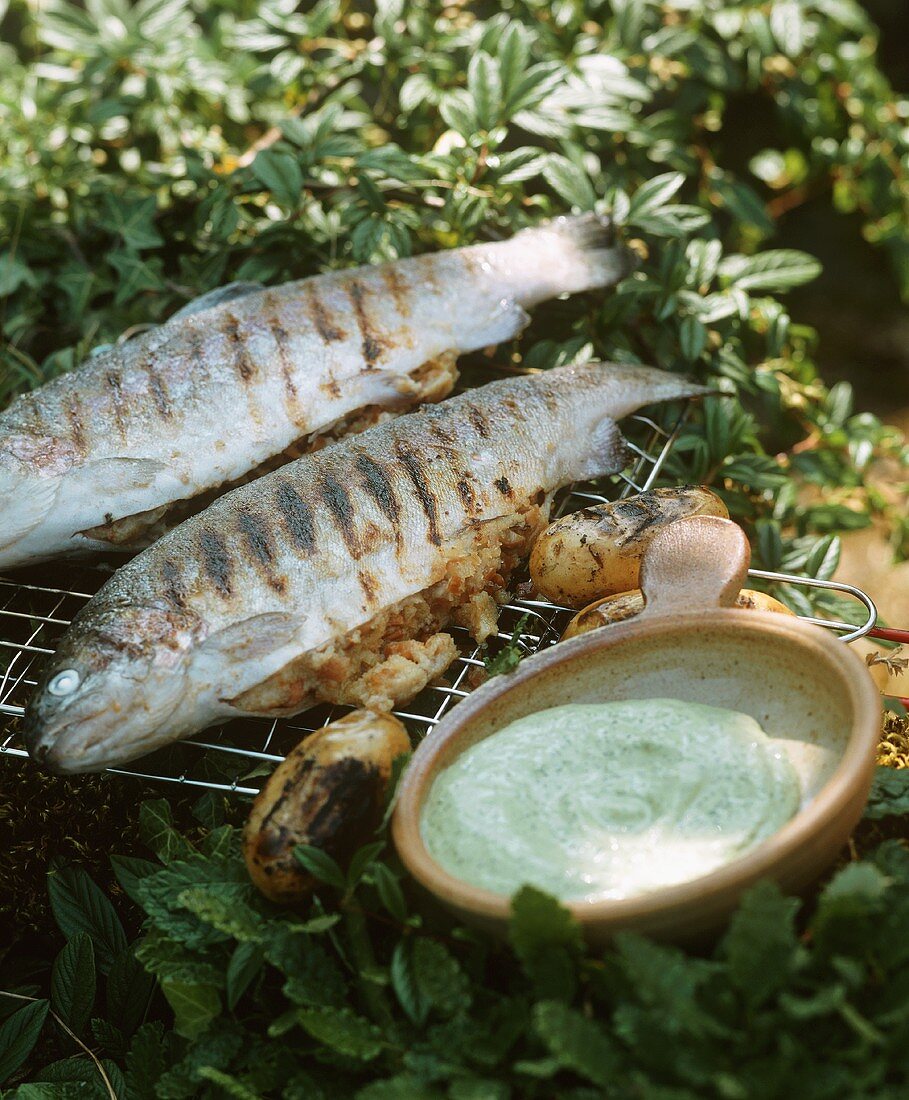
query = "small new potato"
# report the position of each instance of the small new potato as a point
(625, 605)
(597, 551)
(328, 793)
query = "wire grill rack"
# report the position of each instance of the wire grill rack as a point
(236, 757)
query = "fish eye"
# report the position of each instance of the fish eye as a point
(64, 683)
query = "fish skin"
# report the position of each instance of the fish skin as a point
(310, 553)
(242, 374)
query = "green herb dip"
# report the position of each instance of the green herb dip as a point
(609, 800)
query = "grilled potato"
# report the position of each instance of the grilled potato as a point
(328, 793)
(597, 551)
(625, 605)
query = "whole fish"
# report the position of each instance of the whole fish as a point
(331, 578)
(107, 456)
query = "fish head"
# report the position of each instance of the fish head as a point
(112, 690)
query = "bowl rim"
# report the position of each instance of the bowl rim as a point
(851, 776)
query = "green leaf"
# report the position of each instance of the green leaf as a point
(129, 991)
(135, 274)
(576, 1043)
(692, 338)
(79, 905)
(889, 794)
(14, 273)
(343, 1031)
(457, 110)
(132, 219)
(778, 269)
(157, 831)
(281, 174)
(653, 194)
(194, 1007)
(18, 1035)
(73, 982)
(824, 558)
(320, 865)
(245, 964)
(761, 943)
(484, 83)
(546, 939)
(425, 975)
(510, 655)
(389, 889)
(569, 182)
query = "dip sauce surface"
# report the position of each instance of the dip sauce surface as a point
(609, 800)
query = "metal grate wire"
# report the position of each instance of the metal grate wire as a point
(235, 757)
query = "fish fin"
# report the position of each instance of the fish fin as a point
(589, 241)
(216, 297)
(565, 256)
(253, 638)
(108, 476)
(506, 321)
(26, 500)
(609, 451)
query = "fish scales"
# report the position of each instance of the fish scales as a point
(97, 456)
(308, 556)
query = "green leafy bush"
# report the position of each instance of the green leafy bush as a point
(371, 992)
(152, 151)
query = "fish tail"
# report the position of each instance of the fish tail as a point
(565, 256)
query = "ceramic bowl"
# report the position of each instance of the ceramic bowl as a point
(813, 697)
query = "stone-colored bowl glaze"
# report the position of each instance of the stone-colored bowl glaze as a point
(811, 695)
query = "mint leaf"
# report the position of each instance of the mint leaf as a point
(194, 1007)
(761, 945)
(576, 1043)
(546, 939)
(157, 831)
(245, 964)
(889, 794)
(343, 1031)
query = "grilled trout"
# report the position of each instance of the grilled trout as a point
(331, 578)
(107, 456)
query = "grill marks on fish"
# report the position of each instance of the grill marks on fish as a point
(372, 343)
(423, 489)
(319, 313)
(478, 420)
(76, 423)
(281, 338)
(380, 486)
(504, 487)
(174, 588)
(341, 509)
(397, 287)
(239, 352)
(157, 389)
(297, 517)
(114, 381)
(216, 560)
(257, 537)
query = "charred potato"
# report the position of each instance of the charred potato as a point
(328, 793)
(625, 605)
(597, 551)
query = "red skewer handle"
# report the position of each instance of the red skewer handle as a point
(889, 635)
